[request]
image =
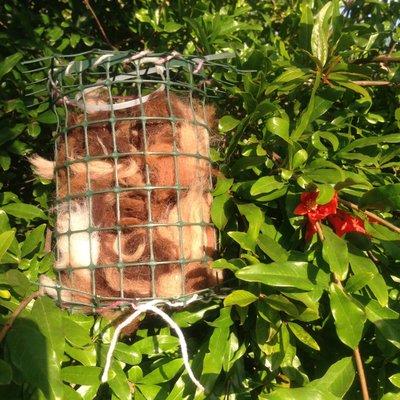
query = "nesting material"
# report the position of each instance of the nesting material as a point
(133, 202)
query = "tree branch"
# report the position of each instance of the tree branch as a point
(374, 83)
(103, 32)
(15, 314)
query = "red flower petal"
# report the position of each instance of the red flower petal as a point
(311, 229)
(342, 222)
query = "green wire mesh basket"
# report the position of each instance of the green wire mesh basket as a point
(133, 177)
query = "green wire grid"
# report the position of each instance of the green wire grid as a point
(69, 78)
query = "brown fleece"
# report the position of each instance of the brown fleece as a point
(179, 190)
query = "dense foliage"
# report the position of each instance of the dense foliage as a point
(318, 110)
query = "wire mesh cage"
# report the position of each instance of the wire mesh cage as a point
(133, 177)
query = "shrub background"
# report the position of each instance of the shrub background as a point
(320, 111)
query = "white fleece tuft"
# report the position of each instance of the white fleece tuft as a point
(42, 167)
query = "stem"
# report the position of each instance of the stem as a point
(374, 83)
(373, 216)
(361, 374)
(103, 32)
(15, 314)
(356, 351)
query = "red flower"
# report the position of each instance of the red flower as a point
(311, 229)
(342, 223)
(315, 212)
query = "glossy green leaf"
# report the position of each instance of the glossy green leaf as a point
(163, 373)
(384, 197)
(286, 274)
(279, 126)
(24, 211)
(349, 317)
(241, 298)
(386, 321)
(220, 210)
(303, 336)
(299, 394)
(227, 123)
(360, 264)
(338, 379)
(272, 248)
(9, 63)
(82, 375)
(358, 281)
(320, 33)
(265, 184)
(33, 239)
(6, 238)
(335, 253)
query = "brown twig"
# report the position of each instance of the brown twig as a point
(356, 351)
(15, 314)
(103, 32)
(371, 215)
(361, 373)
(382, 58)
(374, 83)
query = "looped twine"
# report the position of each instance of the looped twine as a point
(153, 307)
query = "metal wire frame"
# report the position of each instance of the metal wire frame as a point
(69, 78)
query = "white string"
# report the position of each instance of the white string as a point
(151, 306)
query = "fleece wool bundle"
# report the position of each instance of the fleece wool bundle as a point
(133, 201)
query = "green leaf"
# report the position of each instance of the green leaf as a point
(220, 210)
(299, 394)
(358, 281)
(9, 63)
(272, 248)
(119, 384)
(5, 373)
(189, 317)
(48, 117)
(126, 354)
(75, 334)
(24, 211)
(32, 351)
(395, 379)
(82, 375)
(255, 218)
(362, 264)
(34, 238)
(172, 26)
(290, 74)
(18, 282)
(279, 126)
(265, 184)
(349, 317)
(384, 197)
(320, 33)
(163, 373)
(386, 321)
(6, 238)
(227, 123)
(8, 133)
(241, 298)
(303, 336)
(155, 344)
(286, 274)
(335, 253)
(338, 379)
(244, 240)
(49, 318)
